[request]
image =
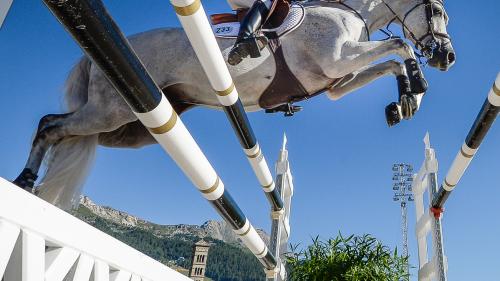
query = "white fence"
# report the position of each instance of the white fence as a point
(39, 242)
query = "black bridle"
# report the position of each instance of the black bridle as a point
(424, 48)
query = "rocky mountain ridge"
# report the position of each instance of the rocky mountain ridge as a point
(218, 230)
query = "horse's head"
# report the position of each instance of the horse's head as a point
(424, 23)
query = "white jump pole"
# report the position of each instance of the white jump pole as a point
(102, 40)
(195, 23)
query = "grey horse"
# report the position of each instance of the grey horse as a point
(332, 44)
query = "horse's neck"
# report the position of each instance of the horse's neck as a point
(375, 13)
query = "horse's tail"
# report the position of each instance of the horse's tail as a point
(69, 160)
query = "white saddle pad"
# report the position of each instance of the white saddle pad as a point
(292, 21)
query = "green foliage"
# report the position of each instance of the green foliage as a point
(232, 263)
(347, 259)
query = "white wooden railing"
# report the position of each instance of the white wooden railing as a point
(39, 242)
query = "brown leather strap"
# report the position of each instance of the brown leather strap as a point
(278, 13)
(285, 87)
(241, 13)
(223, 18)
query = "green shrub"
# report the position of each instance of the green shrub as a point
(347, 259)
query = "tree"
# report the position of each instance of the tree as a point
(347, 259)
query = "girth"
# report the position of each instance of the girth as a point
(285, 88)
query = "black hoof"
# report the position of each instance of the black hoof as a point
(408, 106)
(392, 115)
(419, 85)
(26, 180)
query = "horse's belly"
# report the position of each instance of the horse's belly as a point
(170, 59)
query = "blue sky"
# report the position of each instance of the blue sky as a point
(341, 152)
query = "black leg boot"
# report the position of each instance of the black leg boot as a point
(247, 43)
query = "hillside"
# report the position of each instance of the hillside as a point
(172, 244)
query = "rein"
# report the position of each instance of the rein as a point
(430, 23)
(406, 30)
(342, 2)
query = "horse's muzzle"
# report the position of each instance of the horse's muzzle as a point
(443, 57)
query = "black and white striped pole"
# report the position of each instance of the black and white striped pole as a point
(4, 10)
(100, 38)
(195, 23)
(479, 129)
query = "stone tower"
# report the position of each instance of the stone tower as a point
(199, 264)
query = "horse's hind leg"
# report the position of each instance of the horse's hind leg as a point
(50, 119)
(131, 135)
(42, 141)
(87, 121)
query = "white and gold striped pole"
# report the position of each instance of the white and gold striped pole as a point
(479, 129)
(195, 23)
(101, 39)
(4, 9)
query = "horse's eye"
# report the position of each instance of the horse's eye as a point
(437, 12)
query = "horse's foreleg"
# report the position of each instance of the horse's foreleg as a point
(365, 75)
(395, 111)
(356, 55)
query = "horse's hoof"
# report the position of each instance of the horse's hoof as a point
(408, 106)
(26, 180)
(393, 114)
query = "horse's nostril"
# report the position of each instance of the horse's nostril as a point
(451, 57)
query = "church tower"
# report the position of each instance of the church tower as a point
(199, 263)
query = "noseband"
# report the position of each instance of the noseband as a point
(430, 24)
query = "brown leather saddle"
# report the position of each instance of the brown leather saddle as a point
(277, 15)
(285, 89)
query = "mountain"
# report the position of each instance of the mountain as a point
(228, 259)
(218, 230)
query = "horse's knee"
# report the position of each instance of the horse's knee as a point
(404, 49)
(396, 68)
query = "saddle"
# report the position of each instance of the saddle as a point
(285, 89)
(283, 18)
(277, 15)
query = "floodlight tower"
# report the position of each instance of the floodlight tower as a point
(402, 179)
